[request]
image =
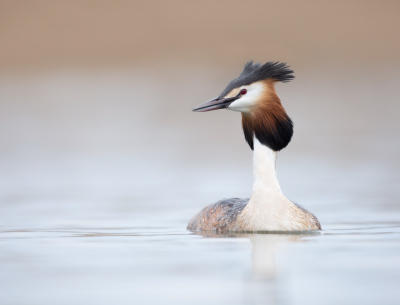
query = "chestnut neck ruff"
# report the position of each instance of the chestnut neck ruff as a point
(268, 121)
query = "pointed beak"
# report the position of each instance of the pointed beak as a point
(214, 104)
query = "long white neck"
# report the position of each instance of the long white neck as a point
(268, 209)
(264, 169)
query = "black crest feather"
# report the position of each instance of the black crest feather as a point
(278, 71)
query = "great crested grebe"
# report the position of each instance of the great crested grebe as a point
(267, 129)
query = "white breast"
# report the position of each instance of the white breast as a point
(268, 209)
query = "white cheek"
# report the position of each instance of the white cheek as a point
(243, 104)
(247, 101)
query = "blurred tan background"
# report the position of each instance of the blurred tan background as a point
(55, 33)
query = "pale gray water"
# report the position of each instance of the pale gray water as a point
(100, 172)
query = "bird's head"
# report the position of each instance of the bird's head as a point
(253, 94)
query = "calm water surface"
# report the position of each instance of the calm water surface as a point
(102, 171)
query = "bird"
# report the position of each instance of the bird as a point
(267, 130)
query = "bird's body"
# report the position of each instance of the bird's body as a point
(267, 129)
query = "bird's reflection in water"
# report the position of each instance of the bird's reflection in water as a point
(264, 287)
(263, 252)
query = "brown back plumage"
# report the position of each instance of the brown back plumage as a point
(220, 216)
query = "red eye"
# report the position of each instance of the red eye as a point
(243, 91)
